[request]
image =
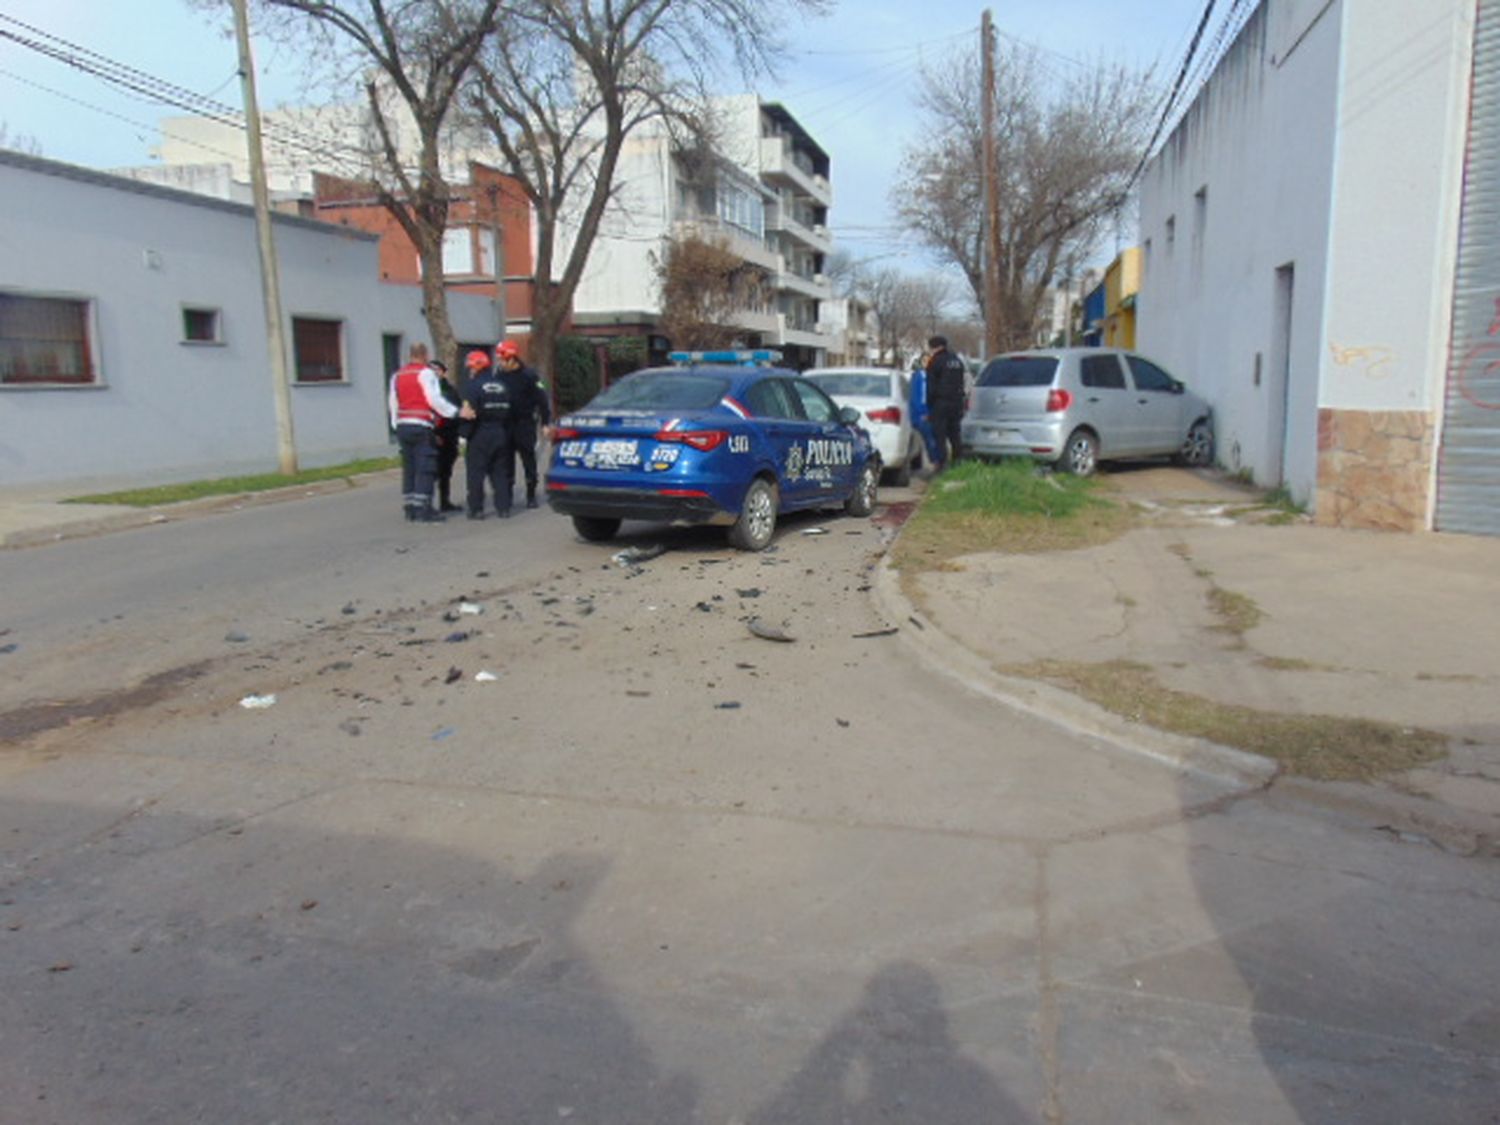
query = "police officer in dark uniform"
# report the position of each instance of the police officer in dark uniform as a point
(947, 391)
(492, 397)
(532, 407)
(447, 433)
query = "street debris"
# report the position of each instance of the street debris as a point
(309, 903)
(235, 637)
(727, 705)
(351, 728)
(891, 632)
(470, 608)
(752, 592)
(841, 722)
(453, 676)
(349, 609)
(485, 677)
(634, 556)
(768, 632)
(258, 702)
(814, 531)
(4, 649)
(456, 638)
(445, 732)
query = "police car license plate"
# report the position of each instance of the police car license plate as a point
(612, 453)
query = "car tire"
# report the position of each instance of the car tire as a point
(757, 522)
(1198, 447)
(1080, 455)
(901, 474)
(861, 501)
(596, 529)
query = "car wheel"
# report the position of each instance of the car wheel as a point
(901, 474)
(1198, 447)
(596, 529)
(1081, 454)
(757, 522)
(861, 501)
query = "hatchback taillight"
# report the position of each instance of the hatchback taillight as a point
(701, 440)
(1058, 400)
(890, 414)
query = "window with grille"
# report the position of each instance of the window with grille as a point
(200, 326)
(45, 340)
(318, 348)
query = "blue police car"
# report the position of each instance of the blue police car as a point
(721, 438)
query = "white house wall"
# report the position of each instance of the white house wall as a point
(621, 271)
(164, 409)
(1403, 113)
(1259, 143)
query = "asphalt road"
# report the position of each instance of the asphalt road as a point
(659, 868)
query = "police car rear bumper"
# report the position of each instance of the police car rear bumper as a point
(671, 505)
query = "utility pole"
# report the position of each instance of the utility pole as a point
(990, 249)
(286, 445)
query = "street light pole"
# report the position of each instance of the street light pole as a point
(990, 242)
(286, 444)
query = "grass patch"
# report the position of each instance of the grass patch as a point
(1296, 664)
(230, 486)
(1007, 507)
(1325, 747)
(1237, 614)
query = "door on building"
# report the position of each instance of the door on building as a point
(390, 354)
(1278, 382)
(1468, 489)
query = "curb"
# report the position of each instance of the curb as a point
(1457, 831)
(59, 530)
(946, 656)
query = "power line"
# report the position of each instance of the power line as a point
(1166, 108)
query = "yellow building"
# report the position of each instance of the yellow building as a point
(1122, 281)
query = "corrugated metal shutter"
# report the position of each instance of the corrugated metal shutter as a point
(1468, 496)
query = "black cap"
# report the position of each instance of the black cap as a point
(937, 341)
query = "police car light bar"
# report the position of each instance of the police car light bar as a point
(747, 358)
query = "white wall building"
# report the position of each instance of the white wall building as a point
(133, 341)
(770, 204)
(1302, 236)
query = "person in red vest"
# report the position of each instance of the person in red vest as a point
(416, 403)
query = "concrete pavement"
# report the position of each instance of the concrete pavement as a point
(1399, 628)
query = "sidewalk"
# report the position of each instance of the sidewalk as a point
(1399, 628)
(33, 516)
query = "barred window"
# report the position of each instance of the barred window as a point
(45, 340)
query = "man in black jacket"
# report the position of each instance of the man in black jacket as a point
(947, 391)
(531, 407)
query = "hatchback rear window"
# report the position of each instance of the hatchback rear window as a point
(1019, 371)
(854, 383)
(662, 390)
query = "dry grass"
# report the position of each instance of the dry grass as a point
(1325, 747)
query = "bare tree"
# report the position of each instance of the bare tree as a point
(567, 82)
(907, 309)
(703, 286)
(1064, 155)
(414, 55)
(19, 142)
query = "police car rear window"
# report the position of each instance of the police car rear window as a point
(662, 390)
(1019, 371)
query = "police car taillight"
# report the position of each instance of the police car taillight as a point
(701, 440)
(565, 434)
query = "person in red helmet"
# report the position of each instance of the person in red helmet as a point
(532, 407)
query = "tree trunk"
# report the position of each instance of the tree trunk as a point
(435, 299)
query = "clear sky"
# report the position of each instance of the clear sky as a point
(849, 79)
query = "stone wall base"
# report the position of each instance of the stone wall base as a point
(1374, 469)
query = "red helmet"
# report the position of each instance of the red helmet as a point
(507, 349)
(476, 361)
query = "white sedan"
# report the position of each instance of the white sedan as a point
(882, 396)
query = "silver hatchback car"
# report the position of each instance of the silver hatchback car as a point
(1079, 406)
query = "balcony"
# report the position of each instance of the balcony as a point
(739, 241)
(778, 164)
(815, 238)
(815, 286)
(805, 333)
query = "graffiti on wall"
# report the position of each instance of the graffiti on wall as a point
(1372, 360)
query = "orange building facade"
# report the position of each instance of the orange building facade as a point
(487, 249)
